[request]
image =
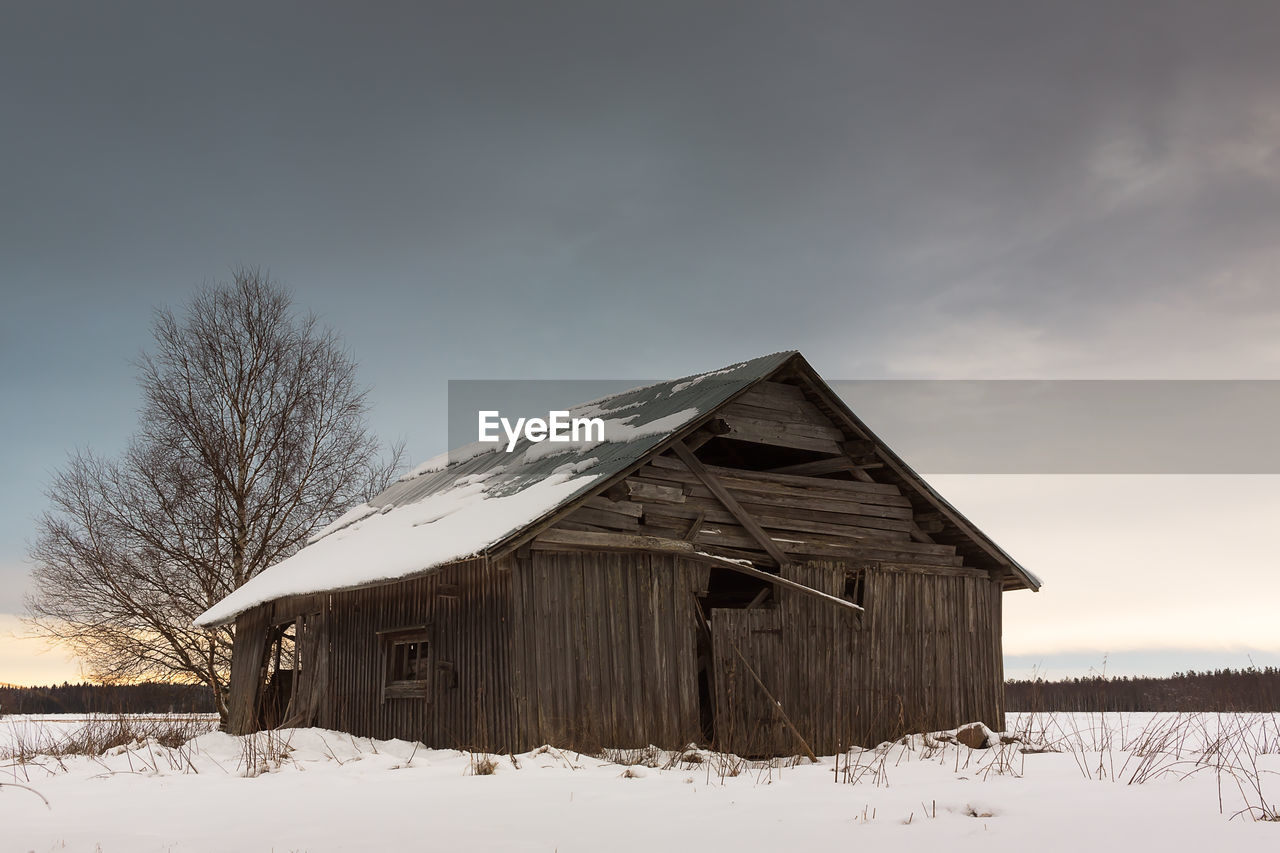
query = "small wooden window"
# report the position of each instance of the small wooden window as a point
(410, 660)
(409, 665)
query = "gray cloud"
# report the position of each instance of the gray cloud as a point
(559, 190)
(986, 159)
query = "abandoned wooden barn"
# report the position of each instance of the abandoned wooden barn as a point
(740, 563)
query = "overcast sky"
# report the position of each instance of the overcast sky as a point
(599, 190)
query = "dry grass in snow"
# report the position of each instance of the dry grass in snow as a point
(1055, 782)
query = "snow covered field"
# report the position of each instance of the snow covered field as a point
(1155, 781)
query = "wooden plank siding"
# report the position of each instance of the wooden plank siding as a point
(930, 647)
(467, 606)
(747, 722)
(608, 648)
(586, 650)
(921, 659)
(246, 667)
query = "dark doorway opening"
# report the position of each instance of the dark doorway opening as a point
(278, 675)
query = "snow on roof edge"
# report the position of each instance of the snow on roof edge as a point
(405, 522)
(409, 543)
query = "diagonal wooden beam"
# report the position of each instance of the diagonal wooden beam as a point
(776, 704)
(730, 503)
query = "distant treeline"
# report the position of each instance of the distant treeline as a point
(1220, 690)
(107, 698)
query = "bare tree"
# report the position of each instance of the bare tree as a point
(252, 436)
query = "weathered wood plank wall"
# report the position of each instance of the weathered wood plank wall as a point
(606, 648)
(746, 720)
(246, 665)
(467, 606)
(920, 659)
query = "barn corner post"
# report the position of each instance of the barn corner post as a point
(248, 653)
(998, 710)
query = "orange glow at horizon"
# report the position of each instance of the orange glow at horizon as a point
(27, 661)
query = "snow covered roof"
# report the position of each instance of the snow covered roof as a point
(465, 502)
(477, 498)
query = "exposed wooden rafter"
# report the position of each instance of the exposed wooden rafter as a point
(730, 503)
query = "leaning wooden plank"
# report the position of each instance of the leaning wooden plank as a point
(551, 540)
(730, 503)
(800, 738)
